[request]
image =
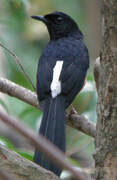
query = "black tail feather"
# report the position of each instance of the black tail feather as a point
(53, 128)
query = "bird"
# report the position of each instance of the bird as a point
(61, 74)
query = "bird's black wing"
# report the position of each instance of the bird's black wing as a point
(72, 80)
(44, 79)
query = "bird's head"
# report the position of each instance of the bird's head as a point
(59, 25)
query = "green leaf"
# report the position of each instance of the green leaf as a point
(26, 155)
(90, 77)
(74, 162)
(6, 143)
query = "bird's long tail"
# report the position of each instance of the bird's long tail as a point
(53, 128)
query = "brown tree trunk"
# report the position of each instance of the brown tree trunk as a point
(106, 78)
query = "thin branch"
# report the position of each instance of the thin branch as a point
(80, 123)
(18, 61)
(50, 150)
(15, 90)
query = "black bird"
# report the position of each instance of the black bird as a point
(61, 75)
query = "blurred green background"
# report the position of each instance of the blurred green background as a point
(27, 38)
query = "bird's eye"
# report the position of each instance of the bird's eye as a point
(59, 18)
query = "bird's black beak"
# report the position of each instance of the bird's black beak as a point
(40, 18)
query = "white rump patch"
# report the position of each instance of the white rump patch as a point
(56, 84)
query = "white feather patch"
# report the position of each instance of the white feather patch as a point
(56, 84)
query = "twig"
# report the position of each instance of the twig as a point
(18, 61)
(80, 123)
(51, 151)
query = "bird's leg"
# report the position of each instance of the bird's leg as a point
(72, 110)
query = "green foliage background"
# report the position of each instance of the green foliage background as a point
(27, 38)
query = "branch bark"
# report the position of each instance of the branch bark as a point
(20, 168)
(15, 90)
(80, 123)
(49, 149)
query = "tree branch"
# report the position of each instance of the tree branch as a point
(16, 167)
(15, 90)
(80, 123)
(45, 146)
(25, 169)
